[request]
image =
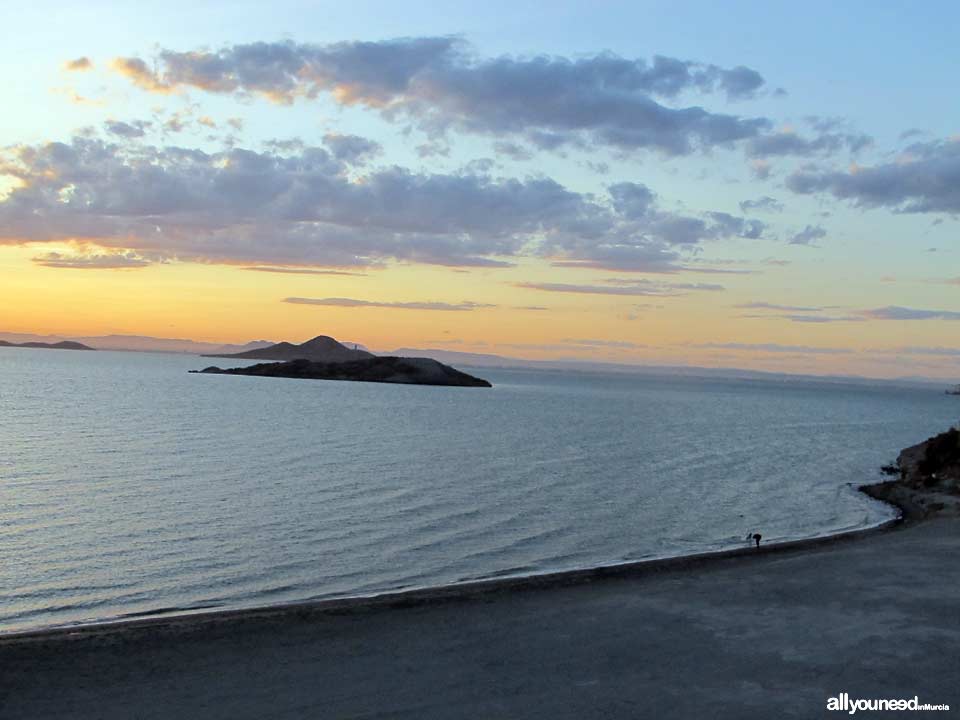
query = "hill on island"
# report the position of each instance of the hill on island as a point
(323, 349)
(65, 345)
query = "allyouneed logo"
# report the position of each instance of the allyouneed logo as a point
(844, 703)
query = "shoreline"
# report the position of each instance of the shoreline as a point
(773, 632)
(892, 492)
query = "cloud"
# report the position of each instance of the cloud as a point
(352, 303)
(135, 129)
(512, 151)
(774, 306)
(812, 314)
(775, 348)
(797, 313)
(351, 149)
(614, 344)
(727, 225)
(760, 169)
(808, 235)
(922, 180)
(628, 287)
(92, 261)
(298, 205)
(919, 350)
(894, 312)
(823, 318)
(763, 204)
(784, 143)
(140, 74)
(302, 271)
(441, 84)
(80, 64)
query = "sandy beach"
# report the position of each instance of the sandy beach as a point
(743, 634)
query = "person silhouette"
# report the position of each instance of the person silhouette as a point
(756, 538)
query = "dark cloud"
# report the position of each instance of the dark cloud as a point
(296, 206)
(925, 179)
(808, 236)
(440, 84)
(352, 303)
(763, 204)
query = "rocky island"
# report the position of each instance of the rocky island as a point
(323, 358)
(64, 345)
(406, 371)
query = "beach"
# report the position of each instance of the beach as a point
(774, 633)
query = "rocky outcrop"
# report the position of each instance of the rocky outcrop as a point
(929, 478)
(934, 462)
(407, 371)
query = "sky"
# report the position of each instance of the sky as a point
(769, 186)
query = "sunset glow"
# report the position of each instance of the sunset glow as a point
(640, 199)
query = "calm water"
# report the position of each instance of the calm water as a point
(128, 486)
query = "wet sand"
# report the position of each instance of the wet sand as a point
(745, 634)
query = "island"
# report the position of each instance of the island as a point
(64, 345)
(324, 358)
(405, 371)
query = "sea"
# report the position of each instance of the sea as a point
(131, 488)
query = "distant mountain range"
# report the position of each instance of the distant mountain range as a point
(137, 343)
(63, 345)
(141, 343)
(323, 349)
